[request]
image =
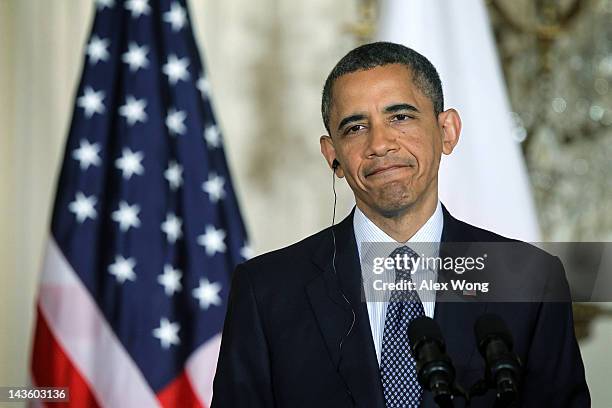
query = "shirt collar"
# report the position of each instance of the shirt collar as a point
(430, 233)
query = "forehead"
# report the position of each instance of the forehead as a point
(376, 87)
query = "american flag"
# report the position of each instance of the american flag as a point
(146, 227)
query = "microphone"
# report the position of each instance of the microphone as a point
(434, 367)
(503, 367)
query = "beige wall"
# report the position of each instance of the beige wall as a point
(7, 207)
(40, 59)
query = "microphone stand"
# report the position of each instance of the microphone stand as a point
(445, 400)
(480, 388)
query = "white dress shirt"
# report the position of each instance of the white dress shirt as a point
(367, 232)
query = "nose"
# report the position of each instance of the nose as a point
(381, 140)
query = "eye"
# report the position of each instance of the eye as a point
(354, 129)
(402, 117)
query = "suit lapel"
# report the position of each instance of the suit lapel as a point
(454, 313)
(357, 363)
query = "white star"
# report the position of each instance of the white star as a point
(123, 269)
(129, 163)
(96, 49)
(101, 4)
(91, 101)
(127, 216)
(134, 110)
(170, 280)
(176, 69)
(172, 227)
(176, 16)
(138, 7)
(204, 86)
(247, 252)
(87, 154)
(167, 333)
(212, 136)
(214, 187)
(174, 175)
(136, 56)
(83, 207)
(174, 122)
(207, 293)
(212, 240)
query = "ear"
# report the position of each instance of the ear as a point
(329, 152)
(450, 123)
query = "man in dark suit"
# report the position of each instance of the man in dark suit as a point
(298, 332)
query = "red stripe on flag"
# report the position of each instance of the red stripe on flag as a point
(51, 367)
(179, 393)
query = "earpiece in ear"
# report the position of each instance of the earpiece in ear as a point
(335, 164)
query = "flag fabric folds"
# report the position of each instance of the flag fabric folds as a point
(484, 181)
(146, 227)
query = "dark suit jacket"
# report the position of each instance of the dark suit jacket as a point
(286, 317)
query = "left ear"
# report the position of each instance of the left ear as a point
(450, 123)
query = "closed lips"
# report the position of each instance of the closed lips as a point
(381, 169)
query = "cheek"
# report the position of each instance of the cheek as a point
(352, 158)
(418, 149)
(352, 172)
(352, 175)
(424, 147)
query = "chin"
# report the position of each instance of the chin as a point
(396, 195)
(390, 207)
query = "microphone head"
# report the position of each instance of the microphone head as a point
(490, 325)
(425, 328)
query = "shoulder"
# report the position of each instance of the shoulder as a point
(291, 265)
(525, 266)
(456, 230)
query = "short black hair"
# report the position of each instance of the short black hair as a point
(368, 56)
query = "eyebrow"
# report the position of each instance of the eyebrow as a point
(351, 118)
(400, 107)
(389, 109)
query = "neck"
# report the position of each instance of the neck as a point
(402, 225)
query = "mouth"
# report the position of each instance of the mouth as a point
(377, 171)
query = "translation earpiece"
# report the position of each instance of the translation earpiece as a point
(335, 164)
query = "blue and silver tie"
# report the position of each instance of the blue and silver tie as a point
(397, 366)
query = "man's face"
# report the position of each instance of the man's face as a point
(387, 139)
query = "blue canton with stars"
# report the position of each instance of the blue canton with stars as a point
(145, 211)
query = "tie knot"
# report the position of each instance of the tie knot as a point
(404, 258)
(401, 250)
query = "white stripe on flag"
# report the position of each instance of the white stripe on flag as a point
(201, 367)
(86, 337)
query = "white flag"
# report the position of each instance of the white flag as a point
(484, 181)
